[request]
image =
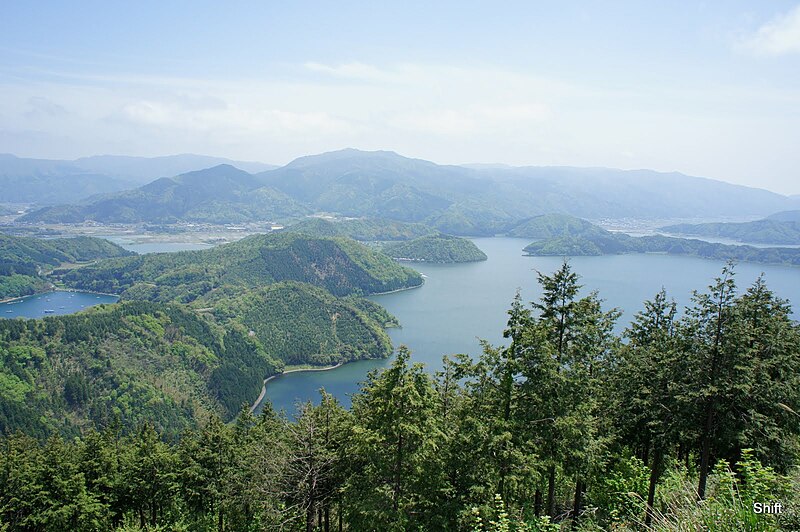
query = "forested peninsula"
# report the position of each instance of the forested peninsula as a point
(582, 239)
(25, 262)
(341, 266)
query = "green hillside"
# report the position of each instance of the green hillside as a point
(170, 365)
(131, 362)
(362, 229)
(554, 226)
(222, 194)
(24, 260)
(339, 265)
(768, 231)
(436, 248)
(302, 324)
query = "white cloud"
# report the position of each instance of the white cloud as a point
(245, 118)
(360, 72)
(472, 119)
(777, 37)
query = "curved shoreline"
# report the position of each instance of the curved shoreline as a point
(398, 290)
(264, 386)
(18, 298)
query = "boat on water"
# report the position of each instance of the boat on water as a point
(49, 311)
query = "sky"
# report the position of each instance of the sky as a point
(703, 88)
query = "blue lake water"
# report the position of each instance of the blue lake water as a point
(462, 303)
(59, 302)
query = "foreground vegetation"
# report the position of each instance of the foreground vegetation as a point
(680, 423)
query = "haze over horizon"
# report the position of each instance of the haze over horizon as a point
(709, 89)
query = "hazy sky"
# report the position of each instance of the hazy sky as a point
(704, 88)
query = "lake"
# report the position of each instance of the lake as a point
(144, 246)
(460, 303)
(59, 302)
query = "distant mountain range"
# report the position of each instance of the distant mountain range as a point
(47, 182)
(453, 199)
(222, 194)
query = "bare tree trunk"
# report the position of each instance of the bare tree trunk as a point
(551, 492)
(655, 472)
(577, 503)
(705, 451)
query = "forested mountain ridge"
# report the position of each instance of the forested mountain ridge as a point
(453, 199)
(436, 248)
(49, 182)
(222, 194)
(339, 265)
(23, 260)
(767, 231)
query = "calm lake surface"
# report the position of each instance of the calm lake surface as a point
(59, 302)
(461, 303)
(143, 247)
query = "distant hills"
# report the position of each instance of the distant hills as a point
(594, 240)
(483, 200)
(768, 231)
(47, 182)
(222, 194)
(786, 216)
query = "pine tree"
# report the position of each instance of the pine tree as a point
(643, 387)
(394, 441)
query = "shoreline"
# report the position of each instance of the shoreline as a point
(19, 298)
(398, 290)
(264, 385)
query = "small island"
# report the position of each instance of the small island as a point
(436, 248)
